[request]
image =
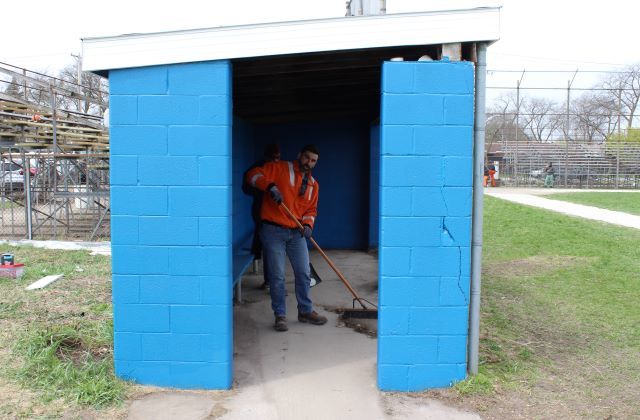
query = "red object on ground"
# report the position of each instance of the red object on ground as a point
(11, 270)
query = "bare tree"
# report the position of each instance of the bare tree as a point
(624, 92)
(540, 118)
(594, 117)
(14, 88)
(89, 95)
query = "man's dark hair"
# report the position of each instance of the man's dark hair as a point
(310, 148)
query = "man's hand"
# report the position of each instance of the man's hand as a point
(307, 231)
(275, 194)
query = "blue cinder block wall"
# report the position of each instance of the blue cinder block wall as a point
(425, 229)
(171, 224)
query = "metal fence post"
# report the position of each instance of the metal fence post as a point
(27, 191)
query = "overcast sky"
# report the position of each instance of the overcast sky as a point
(535, 34)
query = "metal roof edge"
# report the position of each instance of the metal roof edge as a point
(292, 37)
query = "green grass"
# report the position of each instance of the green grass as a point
(559, 295)
(628, 202)
(73, 362)
(56, 343)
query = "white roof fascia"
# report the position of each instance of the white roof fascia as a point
(346, 33)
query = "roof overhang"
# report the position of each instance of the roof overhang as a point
(480, 24)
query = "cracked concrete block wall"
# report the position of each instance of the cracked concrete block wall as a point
(425, 223)
(171, 224)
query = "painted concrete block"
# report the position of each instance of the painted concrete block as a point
(215, 290)
(428, 201)
(408, 350)
(458, 110)
(413, 231)
(131, 259)
(393, 320)
(459, 200)
(435, 261)
(425, 291)
(124, 230)
(394, 291)
(395, 262)
(138, 140)
(168, 230)
(420, 171)
(144, 372)
(127, 346)
(444, 77)
(395, 201)
(398, 77)
(201, 348)
(214, 110)
(138, 81)
(454, 291)
(452, 349)
(409, 291)
(214, 170)
(124, 109)
(465, 261)
(201, 375)
(170, 289)
(435, 376)
(168, 110)
(168, 170)
(132, 201)
(201, 319)
(459, 230)
(214, 231)
(443, 140)
(156, 347)
(200, 261)
(438, 321)
(123, 170)
(125, 289)
(194, 140)
(396, 140)
(140, 318)
(458, 171)
(414, 109)
(393, 377)
(204, 78)
(199, 201)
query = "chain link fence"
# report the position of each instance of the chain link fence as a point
(589, 134)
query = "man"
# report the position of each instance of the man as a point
(549, 178)
(290, 183)
(271, 154)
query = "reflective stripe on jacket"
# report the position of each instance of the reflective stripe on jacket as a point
(288, 178)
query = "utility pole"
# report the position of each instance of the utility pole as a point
(79, 79)
(568, 129)
(515, 163)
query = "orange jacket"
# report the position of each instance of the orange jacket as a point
(288, 178)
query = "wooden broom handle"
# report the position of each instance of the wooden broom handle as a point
(326, 258)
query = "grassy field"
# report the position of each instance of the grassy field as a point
(56, 344)
(628, 202)
(560, 326)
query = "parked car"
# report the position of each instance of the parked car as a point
(12, 176)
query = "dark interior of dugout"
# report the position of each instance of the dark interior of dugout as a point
(330, 99)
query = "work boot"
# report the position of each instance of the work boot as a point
(281, 323)
(312, 318)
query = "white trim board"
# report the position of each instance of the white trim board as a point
(336, 34)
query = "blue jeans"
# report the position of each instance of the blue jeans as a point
(276, 243)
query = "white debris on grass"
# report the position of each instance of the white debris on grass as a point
(43, 282)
